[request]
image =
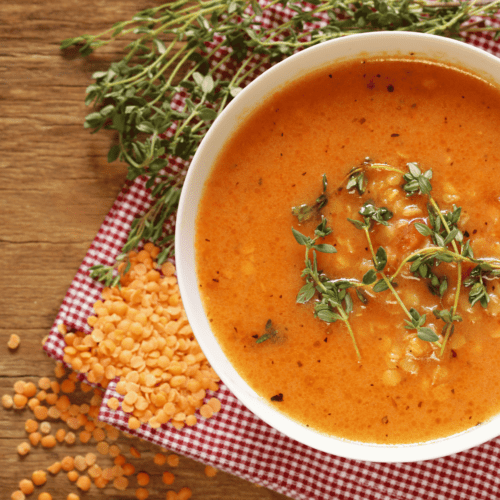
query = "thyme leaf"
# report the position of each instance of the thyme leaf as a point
(270, 333)
(305, 212)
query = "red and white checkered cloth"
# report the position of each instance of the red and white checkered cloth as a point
(235, 440)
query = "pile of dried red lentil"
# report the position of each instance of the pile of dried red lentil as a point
(140, 338)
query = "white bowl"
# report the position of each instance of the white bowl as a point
(343, 49)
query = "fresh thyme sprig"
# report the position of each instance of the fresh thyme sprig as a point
(371, 214)
(335, 302)
(444, 232)
(175, 48)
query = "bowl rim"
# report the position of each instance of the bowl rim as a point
(447, 50)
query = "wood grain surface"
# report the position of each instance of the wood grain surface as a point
(55, 190)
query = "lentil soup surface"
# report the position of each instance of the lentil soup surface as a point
(249, 264)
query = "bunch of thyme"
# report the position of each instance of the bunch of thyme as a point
(175, 49)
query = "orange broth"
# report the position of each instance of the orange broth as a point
(249, 264)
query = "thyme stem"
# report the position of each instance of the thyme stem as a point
(385, 278)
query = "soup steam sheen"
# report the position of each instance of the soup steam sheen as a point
(300, 145)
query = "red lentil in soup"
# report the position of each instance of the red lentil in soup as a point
(403, 388)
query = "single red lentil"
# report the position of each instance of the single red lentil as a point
(142, 479)
(23, 449)
(39, 477)
(26, 486)
(168, 478)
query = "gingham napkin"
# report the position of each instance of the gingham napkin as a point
(235, 440)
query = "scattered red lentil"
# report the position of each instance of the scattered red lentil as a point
(55, 468)
(44, 495)
(70, 438)
(184, 493)
(100, 482)
(51, 399)
(173, 460)
(120, 460)
(159, 459)
(48, 441)
(7, 401)
(59, 370)
(41, 412)
(30, 425)
(90, 459)
(73, 476)
(83, 483)
(99, 434)
(23, 449)
(33, 403)
(68, 463)
(95, 471)
(141, 493)
(29, 389)
(41, 396)
(142, 479)
(80, 463)
(45, 427)
(39, 477)
(121, 483)
(168, 478)
(20, 401)
(210, 471)
(60, 435)
(44, 383)
(85, 436)
(128, 469)
(54, 412)
(102, 447)
(14, 341)
(35, 438)
(19, 386)
(26, 486)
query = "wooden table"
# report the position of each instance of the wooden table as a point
(55, 189)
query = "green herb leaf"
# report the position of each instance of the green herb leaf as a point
(113, 153)
(271, 333)
(300, 238)
(380, 286)
(325, 248)
(380, 259)
(370, 277)
(423, 229)
(305, 212)
(328, 316)
(356, 223)
(306, 293)
(427, 334)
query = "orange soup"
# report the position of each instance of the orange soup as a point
(377, 318)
